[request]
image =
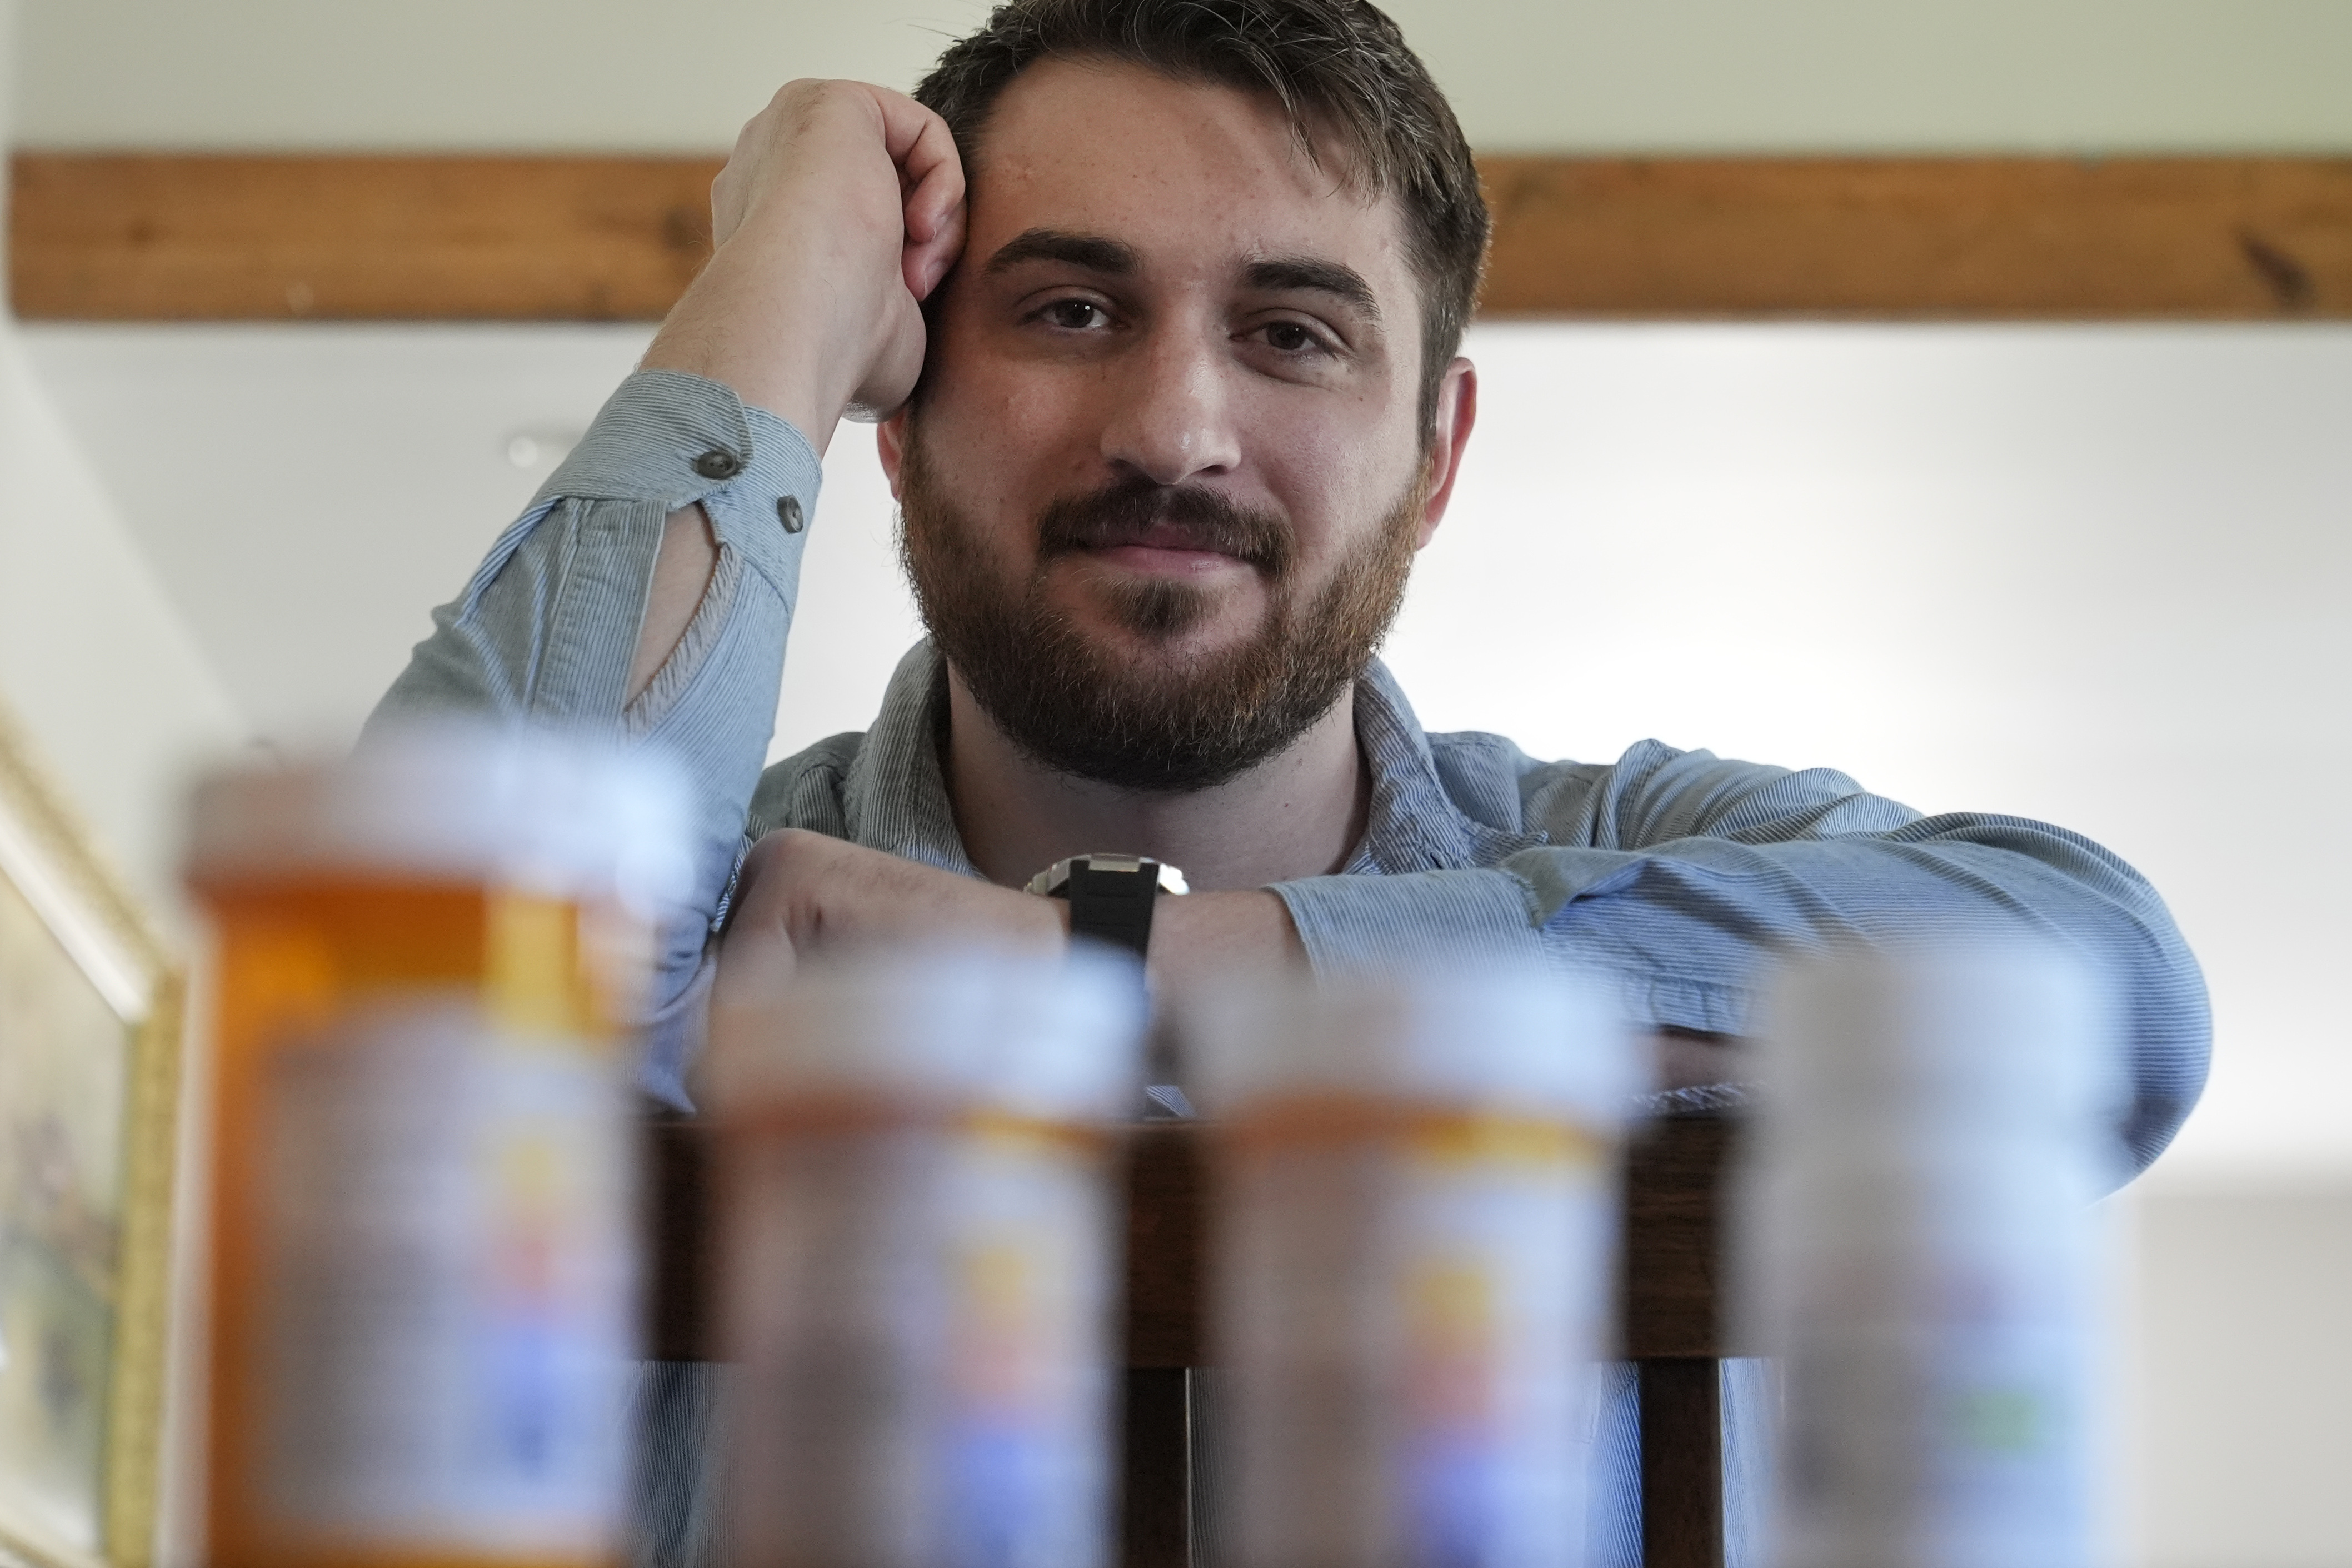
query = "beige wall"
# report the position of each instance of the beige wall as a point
(94, 660)
(1684, 74)
(116, 697)
(2239, 1297)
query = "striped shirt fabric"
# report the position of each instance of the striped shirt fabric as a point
(1678, 876)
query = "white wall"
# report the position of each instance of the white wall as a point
(95, 660)
(309, 494)
(117, 700)
(1740, 75)
(2240, 1297)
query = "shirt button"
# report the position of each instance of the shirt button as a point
(719, 463)
(788, 512)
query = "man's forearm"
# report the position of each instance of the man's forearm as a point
(749, 319)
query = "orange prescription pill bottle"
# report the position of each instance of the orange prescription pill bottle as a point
(1415, 1238)
(423, 1246)
(922, 1259)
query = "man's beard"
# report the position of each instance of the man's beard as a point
(1159, 719)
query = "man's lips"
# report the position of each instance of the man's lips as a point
(1165, 532)
(1164, 547)
(1163, 559)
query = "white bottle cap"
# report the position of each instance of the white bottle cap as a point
(1058, 1038)
(1474, 1036)
(547, 813)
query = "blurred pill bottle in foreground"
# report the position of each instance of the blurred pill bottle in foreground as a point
(1416, 1184)
(1918, 1246)
(423, 1222)
(921, 1258)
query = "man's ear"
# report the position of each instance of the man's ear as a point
(1458, 411)
(891, 446)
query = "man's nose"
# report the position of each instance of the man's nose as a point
(1172, 415)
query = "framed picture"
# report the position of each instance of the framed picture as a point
(90, 1037)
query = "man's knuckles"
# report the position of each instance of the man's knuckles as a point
(797, 863)
(825, 140)
(818, 890)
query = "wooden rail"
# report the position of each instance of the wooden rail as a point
(133, 237)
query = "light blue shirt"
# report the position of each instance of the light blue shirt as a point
(1678, 875)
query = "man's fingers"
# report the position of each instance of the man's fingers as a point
(918, 142)
(926, 262)
(935, 228)
(930, 173)
(933, 174)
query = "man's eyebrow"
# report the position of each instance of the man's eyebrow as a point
(1090, 251)
(1286, 274)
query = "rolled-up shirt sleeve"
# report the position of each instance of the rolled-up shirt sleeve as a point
(547, 629)
(1682, 876)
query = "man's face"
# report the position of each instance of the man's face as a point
(1166, 471)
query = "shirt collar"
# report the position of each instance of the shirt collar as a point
(895, 795)
(1413, 824)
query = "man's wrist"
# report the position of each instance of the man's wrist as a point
(747, 321)
(1200, 936)
(1203, 937)
(1051, 916)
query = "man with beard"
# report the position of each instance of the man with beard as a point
(1170, 397)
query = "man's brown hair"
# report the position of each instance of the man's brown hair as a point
(1341, 72)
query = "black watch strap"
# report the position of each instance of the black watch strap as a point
(1111, 897)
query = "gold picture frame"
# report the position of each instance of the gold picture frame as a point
(91, 1016)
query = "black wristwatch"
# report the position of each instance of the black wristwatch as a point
(1111, 896)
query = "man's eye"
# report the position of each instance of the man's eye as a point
(1074, 315)
(1291, 338)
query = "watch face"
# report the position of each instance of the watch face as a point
(1053, 881)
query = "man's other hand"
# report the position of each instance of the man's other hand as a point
(840, 209)
(802, 893)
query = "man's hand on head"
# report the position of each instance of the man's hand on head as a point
(839, 211)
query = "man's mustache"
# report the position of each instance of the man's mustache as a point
(1126, 511)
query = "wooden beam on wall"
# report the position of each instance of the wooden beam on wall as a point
(333, 237)
(109, 237)
(2229, 238)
